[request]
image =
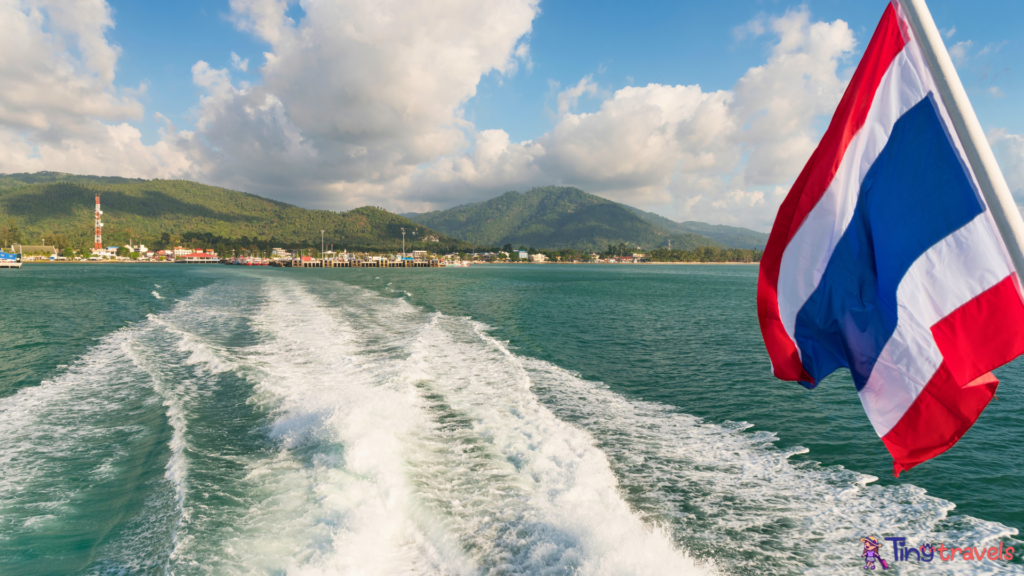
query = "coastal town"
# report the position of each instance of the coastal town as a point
(299, 258)
(204, 248)
(281, 257)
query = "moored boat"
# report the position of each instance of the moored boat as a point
(8, 260)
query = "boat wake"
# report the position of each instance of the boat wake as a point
(319, 428)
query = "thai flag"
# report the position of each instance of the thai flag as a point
(885, 259)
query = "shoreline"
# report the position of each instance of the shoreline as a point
(148, 262)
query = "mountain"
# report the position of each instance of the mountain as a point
(51, 203)
(557, 217)
(731, 236)
(554, 217)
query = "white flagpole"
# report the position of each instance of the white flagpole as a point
(972, 137)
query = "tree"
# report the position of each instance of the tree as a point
(122, 251)
(513, 256)
(58, 241)
(134, 255)
(69, 253)
(86, 253)
(9, 233)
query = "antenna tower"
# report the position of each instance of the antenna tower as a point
(98, 244)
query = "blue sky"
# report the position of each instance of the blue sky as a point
(621, 43)
(455, 102)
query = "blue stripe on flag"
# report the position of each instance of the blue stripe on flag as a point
(916, 193)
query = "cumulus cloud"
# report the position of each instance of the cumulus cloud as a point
(361, 102)
(353, 97)
(725, 156)
(59, 111)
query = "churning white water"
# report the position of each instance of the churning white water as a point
(315, 428)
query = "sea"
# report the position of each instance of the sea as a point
(491, 420)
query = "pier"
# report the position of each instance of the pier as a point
(363, 264)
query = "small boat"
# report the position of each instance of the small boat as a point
(8, 260)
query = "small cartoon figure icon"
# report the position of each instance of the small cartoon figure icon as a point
(871, 555)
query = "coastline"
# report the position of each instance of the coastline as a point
(149, 262)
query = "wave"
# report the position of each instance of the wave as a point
(520, 466)
(414, 462)
(284, 426)
(68, 444)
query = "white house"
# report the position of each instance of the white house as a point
(538, 258)
(523, 254)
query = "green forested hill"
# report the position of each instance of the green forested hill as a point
(555, 217)
(51, 204)
(731, 236)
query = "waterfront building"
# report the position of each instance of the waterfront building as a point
(538, 258)
(34, 250)
(523, 254)
(419, 254)
(199, 257)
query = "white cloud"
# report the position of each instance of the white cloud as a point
(752, 28)
(958, 52)
(570, 97)
(949, 33)
(353, 97)
(359, 93)
(361, 102)
(59, 108)
(238, 64)
(725, 156)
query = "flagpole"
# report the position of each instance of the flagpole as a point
(972, 137)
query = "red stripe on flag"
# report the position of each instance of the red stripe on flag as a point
(981, 335)
(887, 42)
(937, 419)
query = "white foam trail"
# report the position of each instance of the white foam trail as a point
(766, 512)
(344, 438)
(458, 456)
(408, 442)
(157, 295)
(436, 467)
(76, 420)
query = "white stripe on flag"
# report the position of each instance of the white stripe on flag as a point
(808, 252)
(951, 273)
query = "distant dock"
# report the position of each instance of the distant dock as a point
(365, 264)
(337, 263)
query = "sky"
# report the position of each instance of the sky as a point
(700, 111)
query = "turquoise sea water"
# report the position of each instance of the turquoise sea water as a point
(159, 419)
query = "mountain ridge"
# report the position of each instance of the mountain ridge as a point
(61, 206)
(567, 217)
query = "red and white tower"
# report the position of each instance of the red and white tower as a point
(99, 227)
